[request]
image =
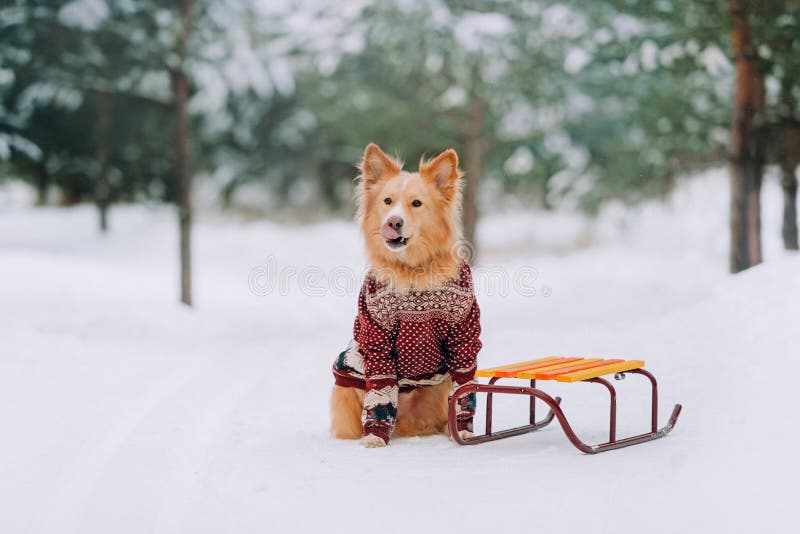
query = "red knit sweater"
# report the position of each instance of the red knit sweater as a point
(408, 339)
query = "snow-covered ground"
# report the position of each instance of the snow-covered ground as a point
(123, 412)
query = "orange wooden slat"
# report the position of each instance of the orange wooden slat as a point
(515, 371)
(550, 375)
(533, 372)
(586, 374)
(488, 373)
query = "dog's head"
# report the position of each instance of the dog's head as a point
(408, 217)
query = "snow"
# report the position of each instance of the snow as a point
(473, 30)
(124, 412)
(715, 61)
(576, 59)
(649, 55)
(520, 161)
(83, 14)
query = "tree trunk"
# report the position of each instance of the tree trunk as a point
(71, 194)
(789, 160)
(747, 152)
(472, 173)
(789, 230)
(788, 154)
(42, 183)
(102, 192)
(103, 204)
(328, 184)
(183, 172)
(473, 169)
(789, 138)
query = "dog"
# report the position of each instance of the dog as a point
(416, 336)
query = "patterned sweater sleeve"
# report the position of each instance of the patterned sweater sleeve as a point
(463, 344)
(380, 372)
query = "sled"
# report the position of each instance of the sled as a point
(565, 370)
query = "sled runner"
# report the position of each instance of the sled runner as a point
(561, 370)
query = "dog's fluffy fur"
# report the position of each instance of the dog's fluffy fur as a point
(428, 259)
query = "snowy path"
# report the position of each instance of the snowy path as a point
(123, 412)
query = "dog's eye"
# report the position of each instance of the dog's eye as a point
(417, 203)
(387, 200)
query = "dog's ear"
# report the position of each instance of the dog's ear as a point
(377, 166)
(443, 172)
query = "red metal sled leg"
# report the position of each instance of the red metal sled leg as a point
(558, 413)
(612, 424)
(489, 435)
(653, 397)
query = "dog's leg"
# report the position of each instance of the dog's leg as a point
(423, 411)
(346, 407)
(371, 441)
(463, 434)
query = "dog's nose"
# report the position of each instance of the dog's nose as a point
(395, 222)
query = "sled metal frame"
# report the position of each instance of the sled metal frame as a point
(555, 411)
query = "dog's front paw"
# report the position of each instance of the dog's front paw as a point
(463, 434)
(371, 441)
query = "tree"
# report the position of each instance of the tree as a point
(203, 33)
(653, 83)
(84, 110)
(748, 143)
(789, 160)
(183, 172)
(79, 98)
(778, 26)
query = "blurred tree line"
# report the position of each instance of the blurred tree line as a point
(270, 103)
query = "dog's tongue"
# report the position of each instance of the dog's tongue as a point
(389, 233)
